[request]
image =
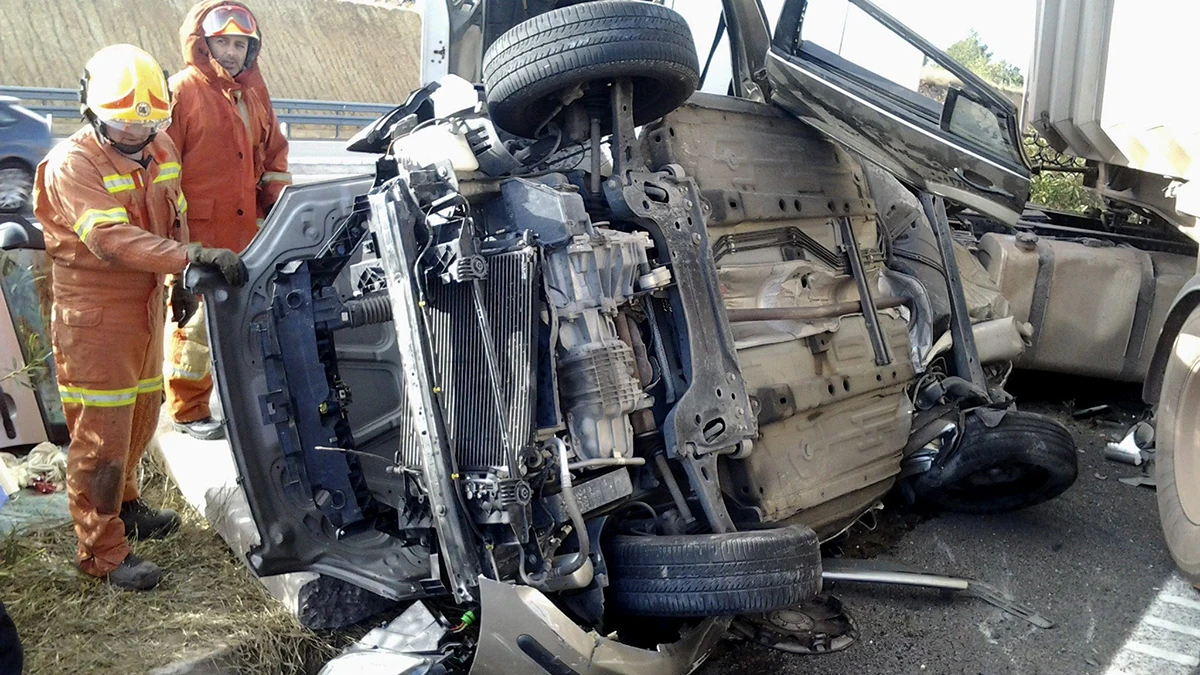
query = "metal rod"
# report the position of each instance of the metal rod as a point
(963, 351)
(807, 313)
(897, 578)
(660, 351)
(489, 352)
(673, 487)
(883, 355)
(594, 183)
(606, 461)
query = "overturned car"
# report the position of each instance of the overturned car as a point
(602, 361)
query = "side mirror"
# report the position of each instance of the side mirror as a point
(16, 232)
(13, 236)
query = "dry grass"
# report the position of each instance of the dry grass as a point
(70, 623)
(312, 49)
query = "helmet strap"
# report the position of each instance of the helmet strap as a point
(101, 130)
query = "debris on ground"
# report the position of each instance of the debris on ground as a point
(1091, 411)
(208, 602)
(1136, 448)
(44, 468)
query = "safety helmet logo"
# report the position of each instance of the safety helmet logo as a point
(142, 109)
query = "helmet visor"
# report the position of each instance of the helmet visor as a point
(230, 20)
(138, 127)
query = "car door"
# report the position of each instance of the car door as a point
(854, 72)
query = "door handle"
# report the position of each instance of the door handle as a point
(976, 184)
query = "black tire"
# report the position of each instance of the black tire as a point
(714, 574)
(1024, 460)
(528, 67)
(16, 185)
(1177, 454)
(11, 654)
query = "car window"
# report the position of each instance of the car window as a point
(7, 116)
(842, 34)
(972, 120)
(845, 37)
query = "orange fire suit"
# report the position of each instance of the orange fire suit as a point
(113, 229)
(234, 167)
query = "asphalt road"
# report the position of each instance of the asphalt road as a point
(1091, 560)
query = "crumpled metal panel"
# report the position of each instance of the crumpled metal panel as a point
(849, 420)
(523, 632)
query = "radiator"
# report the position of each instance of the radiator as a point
(511, 297)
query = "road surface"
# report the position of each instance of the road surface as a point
(1092, 561)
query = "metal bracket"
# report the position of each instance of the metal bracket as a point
(393, 212)
(963, 351)
(626, 150)
(713, 414)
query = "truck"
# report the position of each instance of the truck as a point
(1104, 87)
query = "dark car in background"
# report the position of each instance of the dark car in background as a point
(25, 139)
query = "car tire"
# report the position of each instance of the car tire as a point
(16, 185)
(713, 574)
(1025, 459)
(528, 68)
(1177, 452)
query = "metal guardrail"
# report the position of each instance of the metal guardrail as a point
(64, 103)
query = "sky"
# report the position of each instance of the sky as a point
(1007, 32)
(1005, 27)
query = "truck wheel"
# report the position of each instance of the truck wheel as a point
(714, 574)
(528, 70)
(1177, 456)
(1024, 460)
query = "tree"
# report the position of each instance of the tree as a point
(1056, 189)
(977, 57)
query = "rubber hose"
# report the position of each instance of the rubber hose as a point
(370, 309)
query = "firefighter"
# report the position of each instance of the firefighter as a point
(234, 167)
(114, 215)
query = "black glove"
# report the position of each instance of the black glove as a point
(228, 262)
(184, 304)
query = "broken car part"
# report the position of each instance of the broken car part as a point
(1000, 461)
(817, 626)
(872, 571)
(1135, 448)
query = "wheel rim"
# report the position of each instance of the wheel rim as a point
(15, 187)
(1186, 432)
(998, 481)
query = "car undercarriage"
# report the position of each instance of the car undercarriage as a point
(601, 357)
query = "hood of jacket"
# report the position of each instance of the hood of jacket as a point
(196, 54)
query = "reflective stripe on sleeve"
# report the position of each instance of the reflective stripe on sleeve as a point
(181, 204)
(109, 398)
(168, 171)
(93, 217)
(273, 176)
(150, 386)
(119, 183)
(178, 373)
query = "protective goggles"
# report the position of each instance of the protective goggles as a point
(137, 127)
(219, 20)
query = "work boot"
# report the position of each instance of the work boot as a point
(207, 429)
(143, 522)
(135, 574)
